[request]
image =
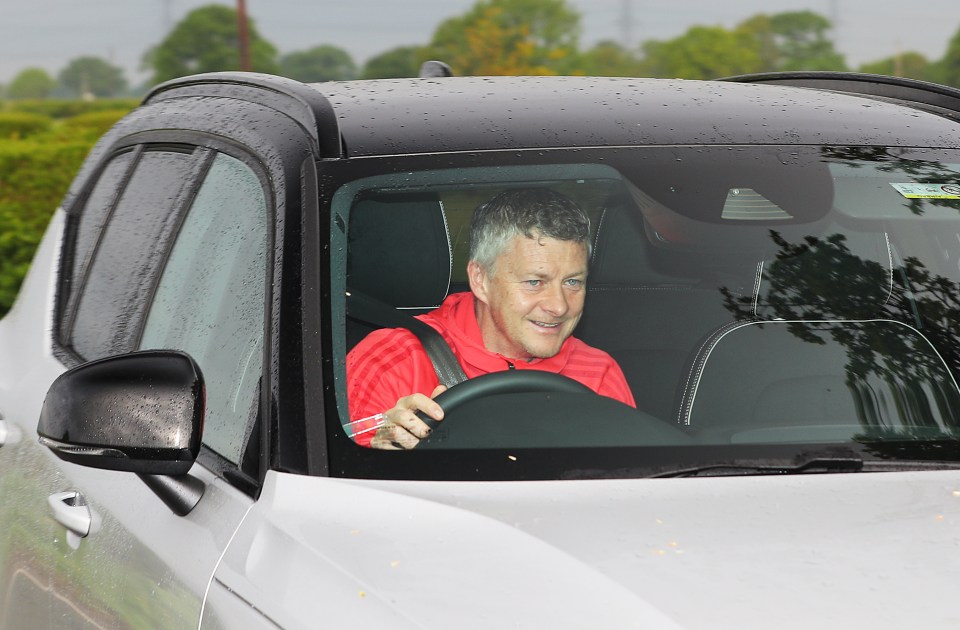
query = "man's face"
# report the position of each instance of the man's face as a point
(533, 299)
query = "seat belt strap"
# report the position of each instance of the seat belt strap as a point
(445, 364)
(373, 311)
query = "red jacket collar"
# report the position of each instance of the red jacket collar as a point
(456, 319)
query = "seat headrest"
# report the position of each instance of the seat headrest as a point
(616, 257)
(626, 253)
(836, 275)
(399, 250)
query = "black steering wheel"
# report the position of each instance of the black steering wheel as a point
(508, 382)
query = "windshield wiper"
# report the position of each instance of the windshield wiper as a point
(814, 465)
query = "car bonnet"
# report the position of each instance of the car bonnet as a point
(877, 549)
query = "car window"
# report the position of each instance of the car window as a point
(118, 281)
(210, 300)
(753, 296)
(95, 212)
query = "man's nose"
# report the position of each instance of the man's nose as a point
(555, 301)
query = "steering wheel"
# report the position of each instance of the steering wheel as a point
(508, 382)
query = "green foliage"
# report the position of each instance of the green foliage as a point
(703, 52)
(34, 175)
(65, 108)
(18, 125)
(89, 126)
(37, 163)
(948, 69)
(321, 63)
(403, 61)
(207, 40)
(795, 40)
(31, 83)
(92, 75)
(609, 59)
(757, 33)
(509, 37)
(912, 65)
(801, 41)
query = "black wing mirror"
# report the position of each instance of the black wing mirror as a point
(140, 412)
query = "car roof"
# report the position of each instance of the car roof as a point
(455, 114)
(471, 113)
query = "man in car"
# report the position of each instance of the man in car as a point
(527, 274)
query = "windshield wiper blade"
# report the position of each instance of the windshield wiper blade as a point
(814, 465)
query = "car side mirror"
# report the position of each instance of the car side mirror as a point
(140, 412)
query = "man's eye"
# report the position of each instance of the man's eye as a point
(574, 282)
(534, 283)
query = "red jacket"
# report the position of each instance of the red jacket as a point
(390, 363)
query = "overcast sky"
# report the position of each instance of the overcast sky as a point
(49, 33)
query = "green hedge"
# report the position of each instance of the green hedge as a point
(34, 176)
(42, 144)
(87, 127)
(63, 108)
(18, 125)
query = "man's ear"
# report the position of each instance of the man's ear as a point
(477, 276)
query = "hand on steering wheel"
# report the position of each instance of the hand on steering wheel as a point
(508, 382)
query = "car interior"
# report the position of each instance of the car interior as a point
(742, 309)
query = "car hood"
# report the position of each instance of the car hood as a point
(877, 550)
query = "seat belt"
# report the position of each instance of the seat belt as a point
(373, 311)
(444, 362)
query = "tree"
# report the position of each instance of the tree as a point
(609, 59)
(92, 75)
(207, 40)
(794, 40)
(321, 63)
(509, 37)
(757, 32)
(403, 61)
(948, 68)
(703, 52)
(909, 64)
(31, 83)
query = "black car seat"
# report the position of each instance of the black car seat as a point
(399, 264)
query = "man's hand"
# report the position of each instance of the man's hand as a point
(402, 429)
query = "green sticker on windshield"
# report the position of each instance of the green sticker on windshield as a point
(928, 191)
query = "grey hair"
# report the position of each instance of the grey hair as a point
(529, 212)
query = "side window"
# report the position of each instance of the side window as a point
(210, 300)
(95, 212)
(117, 282)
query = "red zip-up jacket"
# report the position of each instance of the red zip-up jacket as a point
(390, 363)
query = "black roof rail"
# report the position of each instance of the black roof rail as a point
(910, 90)
(307, 106)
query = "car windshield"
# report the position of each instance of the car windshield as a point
(763, 302)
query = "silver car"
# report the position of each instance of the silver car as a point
(775, 267)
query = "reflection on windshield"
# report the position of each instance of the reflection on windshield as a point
(892, 324)
(915, 166)
(837, 271)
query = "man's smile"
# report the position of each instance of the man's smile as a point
(545, 324)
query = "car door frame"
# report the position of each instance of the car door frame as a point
(269, 138)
